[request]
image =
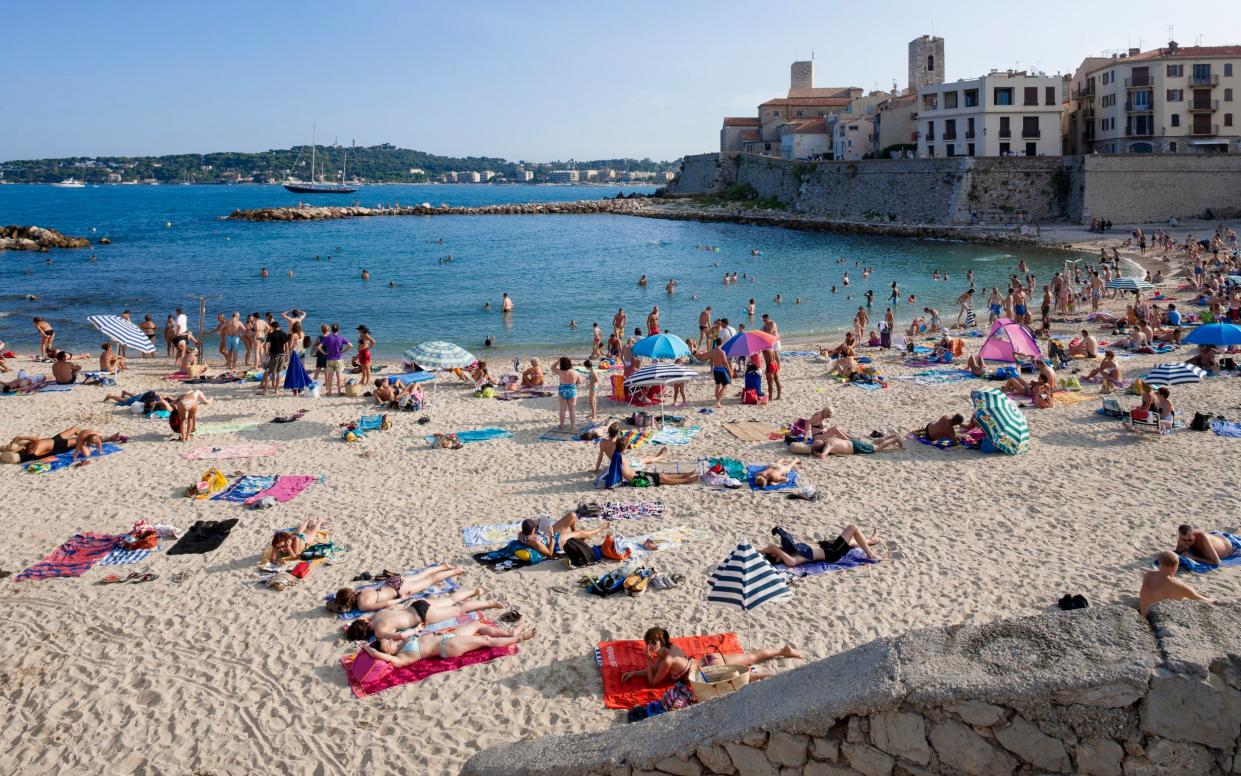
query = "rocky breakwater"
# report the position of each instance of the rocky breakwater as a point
(632, 206)
(36, 238)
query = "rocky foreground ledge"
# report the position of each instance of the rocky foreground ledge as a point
(36, 238)
(587, 207)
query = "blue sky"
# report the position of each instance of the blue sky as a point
(520, 79)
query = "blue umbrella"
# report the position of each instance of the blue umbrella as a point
(1217, 334)
(295, 377)
(661, 346)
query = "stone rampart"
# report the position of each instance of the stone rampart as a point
(1148, 188)
(1098, 691)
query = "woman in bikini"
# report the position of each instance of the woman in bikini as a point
(567, 390)
(666, 662)
(388, 623)
(365, 343)
(392, 590)
(288, 545)
(464, 639)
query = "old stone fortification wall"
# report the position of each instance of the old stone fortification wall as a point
(981, 190)
(1097, 691)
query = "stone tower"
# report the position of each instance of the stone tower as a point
(926, 61)
(801, 75)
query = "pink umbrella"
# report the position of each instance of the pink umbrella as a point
(747, 343)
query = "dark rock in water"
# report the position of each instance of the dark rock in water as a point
(36, 238)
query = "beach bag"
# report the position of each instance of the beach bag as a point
(609, 583)
(1201, 421)
(642, 419)
(1137, 387)
(749, 396)
(640, 480)
(716, 681)
(1006, 372)
(579, 553)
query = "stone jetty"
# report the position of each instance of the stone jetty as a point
(633, 206)
(36, 238)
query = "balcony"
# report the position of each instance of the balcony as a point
(1203, 106)
(1131, 107)
(1083, 91)
(950, 136)
(1204, 80)
(1006, 133)
(1031, 133)
(1138, 83)
(1139, 132)
(930, 137)
(1208, 131)
(969, 134)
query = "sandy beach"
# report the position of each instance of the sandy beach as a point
(220, 675)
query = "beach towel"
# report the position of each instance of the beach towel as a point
(938, 376)
(524, 393)
(663, 538)
(245, 487)
(206, 453)
(443, 587)
(510, 556)
(1189, 563)
(123, 557)
(942, 444)
(753, 469)
(560, 436)
(176, 377)
(477, 435)
(618, 657)
(671, 435)
(637, 436)
(851, 560)
(209, 429)
(286, 488)
(797, 353)
(490, 535)
(384, 676)
(203, 536)
(732, 467)
(1226, 428)
(623, 510)
(71, 559)
(671, 467)
(750, 430)
(51, 463)
(53, 388)
(868, 386)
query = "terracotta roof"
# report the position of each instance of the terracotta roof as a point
(827, 102)
(750, 136)
(1181, 52)
(741, 121)
(811, 127)
(825, 91)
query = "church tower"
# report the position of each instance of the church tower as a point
(926, 61)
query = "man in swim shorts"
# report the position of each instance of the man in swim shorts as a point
(721, 369)
(791, 553)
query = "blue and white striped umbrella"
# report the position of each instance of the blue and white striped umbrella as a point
(1174, 374)
(440, 355)
(125, 332)
(745, 579)
(1129, 284)
(659, 374)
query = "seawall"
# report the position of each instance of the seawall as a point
(617, 205)
(1097, 691)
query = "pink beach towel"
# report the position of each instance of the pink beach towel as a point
(287, 488)
(381, 676)
(206, 453)
(71, 559)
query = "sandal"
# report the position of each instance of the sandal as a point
(509, 617)
(147, 577)
(113, 579)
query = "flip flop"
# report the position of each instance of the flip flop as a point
(113, 579)
(510, 617)
(147, 577)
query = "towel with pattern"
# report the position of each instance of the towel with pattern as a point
(286, 488)
(490, 535)
(477, 435)
(942, 444)
(1198, 566)
(938, 376)
(123, 557)
(671, 435)
(636, 437)
(51, 463)
(851, 560)
(257, 450)
(620, 510)
(443, 587)
(71, 559)
(663, 538)
(246, 487)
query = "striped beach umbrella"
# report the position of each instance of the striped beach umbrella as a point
(1129, 284)
(1174, 374)
(661, 346)
(659, 374)
(440, 355)
(747, 343)
(745, 579)
(125, 332)
(1001, 421)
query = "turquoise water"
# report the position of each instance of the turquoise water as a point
(556, 268)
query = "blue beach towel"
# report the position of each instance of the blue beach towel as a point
(478, 435)
(670, 435)
(1226, 428)
(852, 559)
(1198, 567)
(753, 469)
(65, 460)
(123, 557)
(246, 487)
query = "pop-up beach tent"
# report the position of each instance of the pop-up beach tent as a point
(1007, 341)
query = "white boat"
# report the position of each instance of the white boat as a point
(314, 185)
(70, 183)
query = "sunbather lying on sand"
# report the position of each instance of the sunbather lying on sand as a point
(288, 545)
(666, 662)
(1204, 546)
(790, 552)
(835, 441)
(548, 537)
(775, 474)
(23, 383)
(656, 478)
(184, 417)
(150, 401)
(1162, 584)
(393, 590)
(388, 623)
(467, 638)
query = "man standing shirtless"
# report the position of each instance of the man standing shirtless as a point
(234, 329)
(721, 370)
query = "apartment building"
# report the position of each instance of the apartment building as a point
(1171, 100)
(1000, 114)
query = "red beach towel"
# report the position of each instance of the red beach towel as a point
(384, 676)
(71, 559)
(617, 657)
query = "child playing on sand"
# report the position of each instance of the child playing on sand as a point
(569, 380)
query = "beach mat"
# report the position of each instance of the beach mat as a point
(671, 467)
(524, 393)
(476, 435)
(383, 679)
(257, 450)
(851, 560)
(65, 460)
(71, 559)
(636, 437)
(664, 538)
(617, 657)
(203, 536)
(123, 557)
(443, 587)
(750, 430)
(753, 469)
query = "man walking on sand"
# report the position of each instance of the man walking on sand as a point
(333, 346)
(721, 370)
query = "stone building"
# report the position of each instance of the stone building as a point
(926, 61)
(854, 138)
(733, 129)
(763, 133)
(807, 140)
(1172, 100)
(1000, 114)
(896, 123)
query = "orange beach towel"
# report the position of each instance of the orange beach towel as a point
(617, 657)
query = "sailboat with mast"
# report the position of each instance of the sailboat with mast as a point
(314, 185)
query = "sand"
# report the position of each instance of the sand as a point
(219, 675)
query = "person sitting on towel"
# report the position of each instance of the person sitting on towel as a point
(532, 376)
(775, 474)
(391, 590)
(945, 427)
(389, 623)
(791, 552)
(1205, 359)
(549, 538)
(1026, 387)
(406, 649)
(835, 441)
(1108, 372)
(666, 662)
(607, 447)
(385, 393)
(845, 366)
(1087, 346)
(1162, 584)
(976, 366)
(1206, 547)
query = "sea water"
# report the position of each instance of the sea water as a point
(171, 247)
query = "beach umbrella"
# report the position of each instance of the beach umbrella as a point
(433, 356)
(1129, 284)
(659, 374)
(1001, 421)
(747, 343)
(122, 331)
(668, 346)
(745, 579)
(1217, 334)
(295, 377)
(1174, 374)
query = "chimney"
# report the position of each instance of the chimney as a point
(1173, 46)
(1134, 51)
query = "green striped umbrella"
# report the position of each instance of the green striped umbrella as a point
(1001, 421)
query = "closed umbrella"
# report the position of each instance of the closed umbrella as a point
(433, 356)
(1174, 374)
(745, 579)
(1001, 421)
(1129, 284)
(1217, 334)
(125, 332)
(747, 343)
(668, 346)
(295, 377)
